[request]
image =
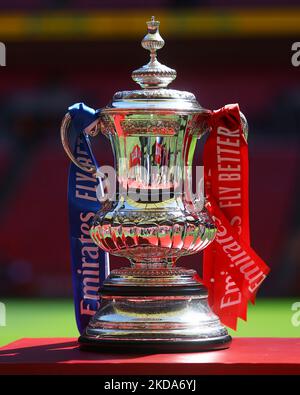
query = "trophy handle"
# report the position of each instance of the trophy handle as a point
(92, 130)
(244, 125)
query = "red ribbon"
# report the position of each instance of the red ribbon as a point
(232, 271)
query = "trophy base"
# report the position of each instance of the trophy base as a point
(154, 310)
(159, 346)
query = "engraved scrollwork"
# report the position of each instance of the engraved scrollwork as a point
(148, 126)
(154, 94)
(153, 272)
(107, 125)
(195, 127)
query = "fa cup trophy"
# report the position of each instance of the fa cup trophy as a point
(154, 219)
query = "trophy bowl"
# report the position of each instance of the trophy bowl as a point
(152, 219)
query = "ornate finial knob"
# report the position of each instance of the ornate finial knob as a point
(153, 40)
(154, 74)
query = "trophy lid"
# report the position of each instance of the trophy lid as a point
(154, 79)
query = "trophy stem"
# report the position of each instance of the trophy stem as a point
(153, 263)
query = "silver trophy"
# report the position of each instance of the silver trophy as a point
(154, 219)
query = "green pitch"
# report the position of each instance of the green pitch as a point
(55, 318)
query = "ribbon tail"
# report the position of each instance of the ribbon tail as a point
(89, 263)
(232, 270)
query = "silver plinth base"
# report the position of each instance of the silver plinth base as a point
(139, 314)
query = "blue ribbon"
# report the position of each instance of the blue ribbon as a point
(90, 264)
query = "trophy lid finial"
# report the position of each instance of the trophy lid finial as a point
(154, 74)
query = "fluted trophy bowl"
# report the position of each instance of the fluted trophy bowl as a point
(152, 217)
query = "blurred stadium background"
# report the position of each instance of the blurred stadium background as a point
(62, 52)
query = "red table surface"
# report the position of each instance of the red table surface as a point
(62, 356)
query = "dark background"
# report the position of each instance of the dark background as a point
(244, 57)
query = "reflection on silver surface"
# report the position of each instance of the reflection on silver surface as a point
(154, 218)
(155, 318)
(182, 318)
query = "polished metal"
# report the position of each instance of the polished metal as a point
(152, 221)
(154, 218)
(154, 74)
(156, 319)
(171, 319)
(64, 134)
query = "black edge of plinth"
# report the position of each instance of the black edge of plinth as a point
(159, 346)
(153, 291)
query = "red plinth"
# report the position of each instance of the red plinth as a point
(62, 356)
